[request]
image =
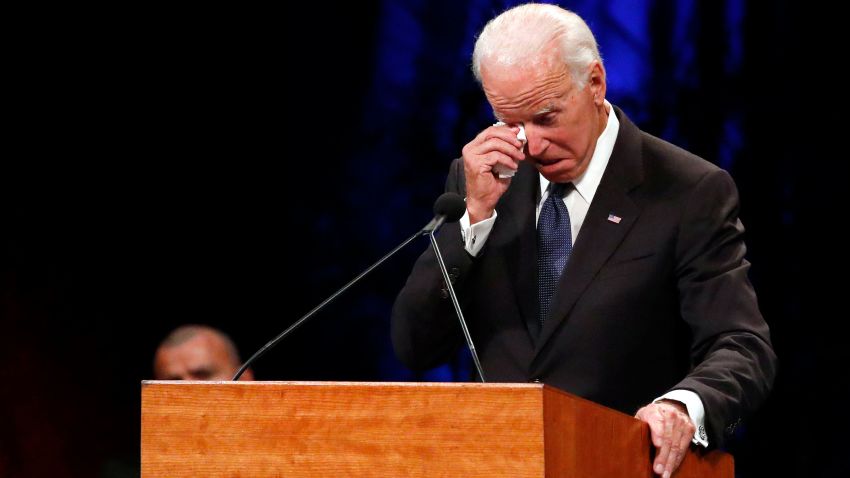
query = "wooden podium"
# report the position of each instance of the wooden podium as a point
(359, 429)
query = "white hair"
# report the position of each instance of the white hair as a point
(519, 35)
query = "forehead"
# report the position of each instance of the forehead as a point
(201, 350)
(519, 93)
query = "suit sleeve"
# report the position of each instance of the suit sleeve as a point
(733, 363)
(425, 330)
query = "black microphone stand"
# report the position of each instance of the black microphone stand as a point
(299, 322)
(451, 289)
(444, 203)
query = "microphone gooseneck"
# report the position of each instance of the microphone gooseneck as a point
(456, 304)
(449, 207)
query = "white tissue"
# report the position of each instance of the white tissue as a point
(502, 171)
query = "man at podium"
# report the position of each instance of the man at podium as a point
(592, 257)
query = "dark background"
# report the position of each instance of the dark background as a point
(218, 166)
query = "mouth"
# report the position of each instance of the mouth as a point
(546, 162)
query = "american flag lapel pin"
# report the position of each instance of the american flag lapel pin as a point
(615, 219)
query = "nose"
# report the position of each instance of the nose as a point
(536, 144)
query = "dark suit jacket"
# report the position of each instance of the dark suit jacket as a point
(660, 301)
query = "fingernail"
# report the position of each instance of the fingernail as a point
(667, 474)
(658, 469)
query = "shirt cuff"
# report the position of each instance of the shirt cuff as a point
(475, 235)
(695, 410)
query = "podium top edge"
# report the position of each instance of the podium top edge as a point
(346, 384)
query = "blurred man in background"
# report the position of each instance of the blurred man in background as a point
(197, 352)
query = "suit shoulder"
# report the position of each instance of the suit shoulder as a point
(455, 181)
(672, 164)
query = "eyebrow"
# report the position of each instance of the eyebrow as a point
(545, 110)
(542, 111)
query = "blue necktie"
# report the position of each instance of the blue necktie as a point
(554, 245)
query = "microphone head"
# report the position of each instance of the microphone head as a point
(450, 205)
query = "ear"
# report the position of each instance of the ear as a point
(596, 82)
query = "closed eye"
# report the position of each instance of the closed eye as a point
(547, 119)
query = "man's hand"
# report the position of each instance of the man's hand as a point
(672, 431)
(495, 145)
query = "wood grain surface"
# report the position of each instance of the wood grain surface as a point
(319, 429)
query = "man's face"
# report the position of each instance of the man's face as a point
(562, 121)
(203, 357)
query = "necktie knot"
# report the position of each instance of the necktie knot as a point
(558, 190)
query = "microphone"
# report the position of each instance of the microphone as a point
(449, 207)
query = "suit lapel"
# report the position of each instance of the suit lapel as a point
(518, 206)
(599, 237)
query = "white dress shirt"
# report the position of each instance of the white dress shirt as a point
(578, 201)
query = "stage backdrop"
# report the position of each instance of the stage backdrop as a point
(235, 166)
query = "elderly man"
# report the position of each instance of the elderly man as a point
(592, 257)
(197, 352)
